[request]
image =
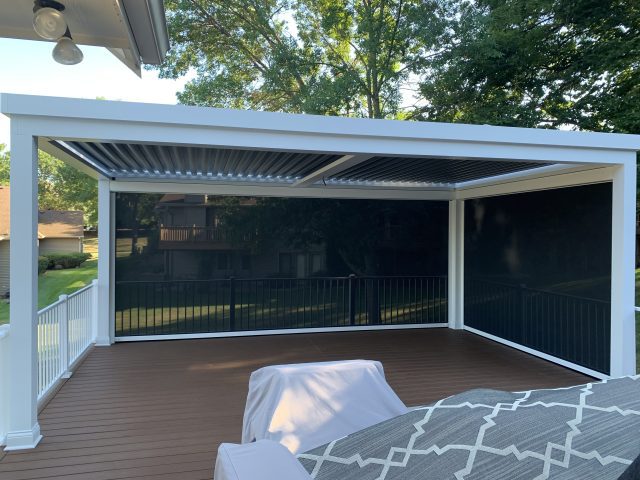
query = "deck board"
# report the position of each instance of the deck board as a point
(160, 409)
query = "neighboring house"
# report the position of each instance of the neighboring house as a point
(194, 242)
(58, 232)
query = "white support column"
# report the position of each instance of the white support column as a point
(623, 228)
(456, 264)
(24, 430)
(104, 335)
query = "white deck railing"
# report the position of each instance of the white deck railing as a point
(65, 331)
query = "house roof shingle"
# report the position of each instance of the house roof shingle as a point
(51, 223)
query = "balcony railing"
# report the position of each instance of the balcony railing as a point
(574, 328)
(235, 305)
(200, 234)
(66, 330)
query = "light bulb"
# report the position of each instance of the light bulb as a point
(49, 23)
(67, 52)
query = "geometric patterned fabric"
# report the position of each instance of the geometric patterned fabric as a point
(589, 431)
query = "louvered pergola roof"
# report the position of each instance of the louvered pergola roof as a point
(141, 161)
(130, 143)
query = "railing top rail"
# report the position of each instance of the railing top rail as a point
(51, 306)
(81, 290)
(129, 282)
(59, 302)
(539, 290)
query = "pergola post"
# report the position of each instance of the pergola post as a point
(24, 430)
(455, 299)
(104, 335)
(623, 228)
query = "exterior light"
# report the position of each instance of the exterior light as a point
(49, 23)
(67, 52)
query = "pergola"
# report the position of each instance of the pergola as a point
(131, 147)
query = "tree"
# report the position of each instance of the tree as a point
(4, 165)
(60, 186)
(332, 57)
(532, 63)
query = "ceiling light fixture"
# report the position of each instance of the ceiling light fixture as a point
(66, 52)
(50, 24)
(48, 20)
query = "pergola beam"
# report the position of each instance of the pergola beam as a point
(339, 165)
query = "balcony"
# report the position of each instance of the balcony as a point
(200, 238)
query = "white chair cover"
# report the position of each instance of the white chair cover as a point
(263, 460)
(307, 405)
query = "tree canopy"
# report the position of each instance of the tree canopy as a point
(347, 57)
(549, 63)
(535, 63)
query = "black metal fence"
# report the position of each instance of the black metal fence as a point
(233, 305)
(576, 329)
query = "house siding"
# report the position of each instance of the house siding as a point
(60, 245)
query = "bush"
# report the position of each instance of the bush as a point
(43, 264)
(67, 260)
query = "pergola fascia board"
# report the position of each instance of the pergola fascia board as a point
(576, 159)
(170, 134)
(292, 124)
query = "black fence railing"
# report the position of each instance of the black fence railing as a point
(576, 329)
(233, 305)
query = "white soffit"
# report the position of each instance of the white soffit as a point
(133, 30)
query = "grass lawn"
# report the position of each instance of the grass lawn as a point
(54, 283)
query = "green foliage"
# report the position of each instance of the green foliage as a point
(65, 260)
(60, 186)
(43, 264)
(316, 56)
(4, 165)
(550, 63)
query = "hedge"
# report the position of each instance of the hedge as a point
(43, 264)
(67, 260)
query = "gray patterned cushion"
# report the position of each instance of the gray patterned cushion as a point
(586, 432)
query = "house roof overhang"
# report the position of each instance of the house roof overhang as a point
(134, 31)
(172, 145)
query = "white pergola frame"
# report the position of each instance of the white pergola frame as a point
(577, 159)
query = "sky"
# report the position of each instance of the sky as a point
(27, 67)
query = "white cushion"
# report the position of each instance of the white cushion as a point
(304, 406)
(263, 460)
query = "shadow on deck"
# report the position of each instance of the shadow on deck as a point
(159, 409)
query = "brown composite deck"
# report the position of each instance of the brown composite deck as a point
(158, 410)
